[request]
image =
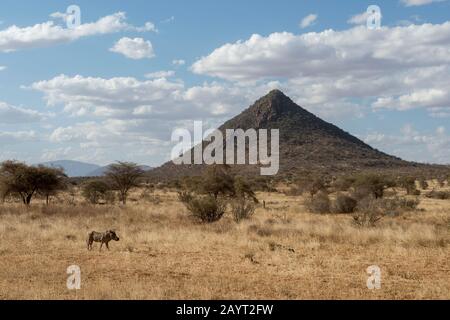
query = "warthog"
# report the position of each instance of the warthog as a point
(102, 237)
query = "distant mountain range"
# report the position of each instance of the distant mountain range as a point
(82, 169)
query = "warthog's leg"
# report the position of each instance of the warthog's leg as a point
(101, 245)
(107, 246)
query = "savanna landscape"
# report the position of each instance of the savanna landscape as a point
(287, 247)
(205, 151)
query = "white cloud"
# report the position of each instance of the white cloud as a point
(410, 144)
(136, 48)
(148, 26)
(410, 3)
(307, 21)
(168, 20)
(178, 62)
(2, 68)
(48, 33)
(341, 66)
(160, 74)
(9, 138)
(13, 115)
(129, 98)
(359, 18)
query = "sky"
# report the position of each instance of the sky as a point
(116, 86)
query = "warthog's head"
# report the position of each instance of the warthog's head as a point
(113, 235)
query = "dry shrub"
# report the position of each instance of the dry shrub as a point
(406, 204)
(369, 212)
(440, 195)
(320, 203)
(147, 196)
(294, 191)
(262, 231)
(344, 204)
(423, 184)
(409, 184)
(242, 209)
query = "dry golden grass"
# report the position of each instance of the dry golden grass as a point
(281, 253)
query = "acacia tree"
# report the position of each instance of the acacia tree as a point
(26, 181)
(217, 180)
(52, 180)
(124, 176)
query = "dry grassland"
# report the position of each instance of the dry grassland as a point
(283, 252)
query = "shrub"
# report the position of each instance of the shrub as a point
(242, 209)
(343, 183)
(96, 190)
(320, 203)
(423, 184)
(344, 204)
(310, 184)
(369, 212)
(406, 203)
(204, 208)
(386, 207)
(371, 184)
(441, 195)
(409, 184)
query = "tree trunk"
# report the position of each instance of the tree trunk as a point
(28, 200)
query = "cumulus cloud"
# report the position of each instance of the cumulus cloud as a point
(148, 26)
(411, 3)
(10, 114)
(127, 97)
(360, 18)
(307, 21)
(341, 66)
(9, 138)
(178, 62)
(136, 48)
(160, 74)
(410, 144)
(48, 33)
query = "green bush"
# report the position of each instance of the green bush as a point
(204, 208)
(95, 191)
(371, 184)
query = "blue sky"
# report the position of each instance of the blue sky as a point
(70, 95)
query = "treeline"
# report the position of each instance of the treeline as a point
(23, 181)
(364, 194)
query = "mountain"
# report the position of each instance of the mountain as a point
(102, 170)
(307, 143)
(73, 168)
